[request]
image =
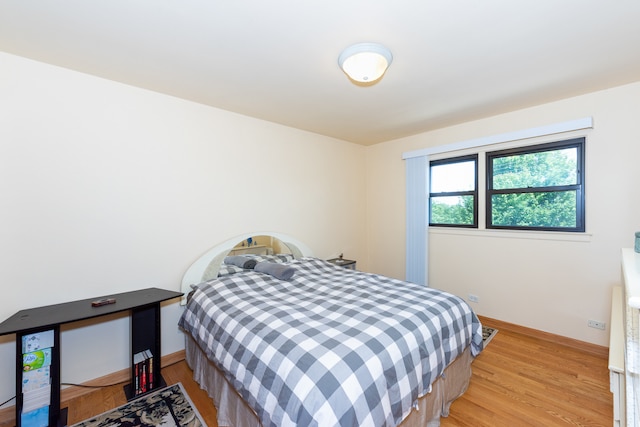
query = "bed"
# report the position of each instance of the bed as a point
(324, 345)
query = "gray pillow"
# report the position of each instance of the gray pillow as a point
(240, 261)
(277, 270)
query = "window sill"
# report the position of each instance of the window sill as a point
(513, 234)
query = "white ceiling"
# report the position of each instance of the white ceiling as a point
(454, 60)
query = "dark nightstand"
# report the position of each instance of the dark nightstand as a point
(343, 262)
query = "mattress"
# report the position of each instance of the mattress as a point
(233, 411)
(330, 346)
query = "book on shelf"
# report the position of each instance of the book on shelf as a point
(37, 417)
(36, 359)
(36, 378)
(37, 341)
(143, 379)
(36, 399)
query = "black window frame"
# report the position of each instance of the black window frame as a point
(473, 193)
(579, 187)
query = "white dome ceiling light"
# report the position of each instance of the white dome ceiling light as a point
(365, 62)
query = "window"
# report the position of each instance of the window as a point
(453, 194)
(537, 187)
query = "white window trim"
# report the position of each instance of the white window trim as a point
(515, 234)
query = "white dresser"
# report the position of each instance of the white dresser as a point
(631, 306)
(616, 356)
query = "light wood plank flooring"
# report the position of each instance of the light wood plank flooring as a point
(519, 380)
(525, 380)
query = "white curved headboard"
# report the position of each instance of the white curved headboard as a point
(206, 267)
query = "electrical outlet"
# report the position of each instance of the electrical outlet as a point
(596, 324)
(474, 298)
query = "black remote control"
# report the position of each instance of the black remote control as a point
(101, 302)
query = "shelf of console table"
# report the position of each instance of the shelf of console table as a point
(144, 307)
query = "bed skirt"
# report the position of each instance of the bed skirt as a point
(233, 411)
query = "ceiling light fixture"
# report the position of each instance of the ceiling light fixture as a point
(365, 62)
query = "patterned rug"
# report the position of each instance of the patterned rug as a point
(488, 334)
(166, 407)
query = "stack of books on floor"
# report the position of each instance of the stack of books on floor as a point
(143, 372)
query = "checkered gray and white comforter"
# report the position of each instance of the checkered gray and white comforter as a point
(331, 347)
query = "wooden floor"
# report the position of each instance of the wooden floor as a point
(518, 380)
(522, 380)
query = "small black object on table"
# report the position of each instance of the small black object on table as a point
(343, 262)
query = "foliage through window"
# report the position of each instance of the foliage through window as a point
(537, 188)
(453, 195)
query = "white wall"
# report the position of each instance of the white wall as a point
(107, 188)
(550, 285)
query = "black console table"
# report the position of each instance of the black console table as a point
(38, 349)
